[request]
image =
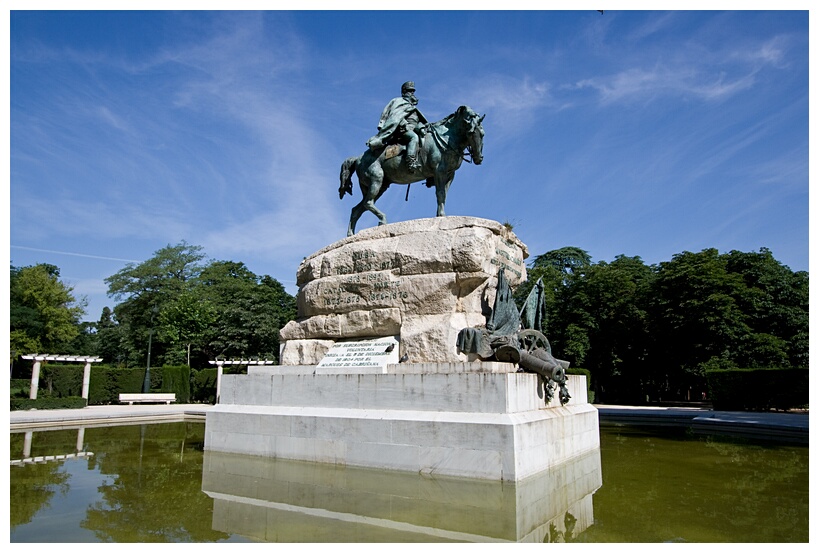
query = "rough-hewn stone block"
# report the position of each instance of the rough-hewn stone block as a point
(423, 280)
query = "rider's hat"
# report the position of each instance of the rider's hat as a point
(409, 85)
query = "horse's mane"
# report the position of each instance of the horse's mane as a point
(445, 121)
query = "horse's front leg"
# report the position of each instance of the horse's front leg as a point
(442, 182)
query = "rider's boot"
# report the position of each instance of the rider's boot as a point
(412, 150)
(413, 164)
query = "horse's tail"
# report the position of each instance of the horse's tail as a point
(347, 170)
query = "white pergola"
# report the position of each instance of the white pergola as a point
(222, 362)
(40, 357)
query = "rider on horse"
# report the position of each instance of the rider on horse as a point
(400, 119)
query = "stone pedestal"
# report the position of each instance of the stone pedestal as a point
(476, 420)
(422, 280)
(413, 286)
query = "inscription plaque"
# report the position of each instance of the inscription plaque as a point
(371, 355)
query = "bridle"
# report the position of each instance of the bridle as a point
(443, 144)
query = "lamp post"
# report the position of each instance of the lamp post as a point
(146, 384)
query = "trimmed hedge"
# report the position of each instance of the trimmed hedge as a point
(108, 382)
(176, 379)
(61, 380)
(757, 389)
(24, 404)
(65, 381)
(19, 387)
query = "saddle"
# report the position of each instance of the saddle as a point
(393, 150)
(394, 146)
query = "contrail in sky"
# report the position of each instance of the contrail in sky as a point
(76, 254)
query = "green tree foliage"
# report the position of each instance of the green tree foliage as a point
(145, 290)
(653, 331)
(108, 339)
(605, 320)
(197, 310)
(730, 310)
(86, 341)
(184, 322)
(696, 320)
(44, 314)
(775, 301)
(569, 259)
(556, 268)
(251, 310)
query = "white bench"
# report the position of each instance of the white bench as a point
(130, 399)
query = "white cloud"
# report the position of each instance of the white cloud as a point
(642, 85)
(509, 94)
(108, 117)
(655, 23)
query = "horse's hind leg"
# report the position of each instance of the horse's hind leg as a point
(358, 211)
(379, 189)
(382, 218)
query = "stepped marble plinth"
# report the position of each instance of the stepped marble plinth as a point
(476, 420)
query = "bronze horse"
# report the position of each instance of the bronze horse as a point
(442, 149)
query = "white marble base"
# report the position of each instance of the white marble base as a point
(489, 425)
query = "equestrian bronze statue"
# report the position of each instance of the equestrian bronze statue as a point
(436, 152)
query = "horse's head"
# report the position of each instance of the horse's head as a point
(473, 133)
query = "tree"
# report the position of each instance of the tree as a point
(555, 268)
(775, 302)
(166, 274)
(43, 312)
(251, 310)
(606, 323)
(184, 321)
(108, 339)
(653, 331)
(145, 289)
(732, 310)
(198, 311)
(569, 259)
(696, 320)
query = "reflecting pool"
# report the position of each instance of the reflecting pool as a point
(154, 483)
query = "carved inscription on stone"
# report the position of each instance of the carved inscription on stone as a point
(366, 278)
(362, 262)
(508, 256)
(355, 290)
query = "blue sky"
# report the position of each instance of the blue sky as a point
(644, 133)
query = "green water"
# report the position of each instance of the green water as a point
(670, 487)
(154, 483)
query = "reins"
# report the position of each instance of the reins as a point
(445, 145)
